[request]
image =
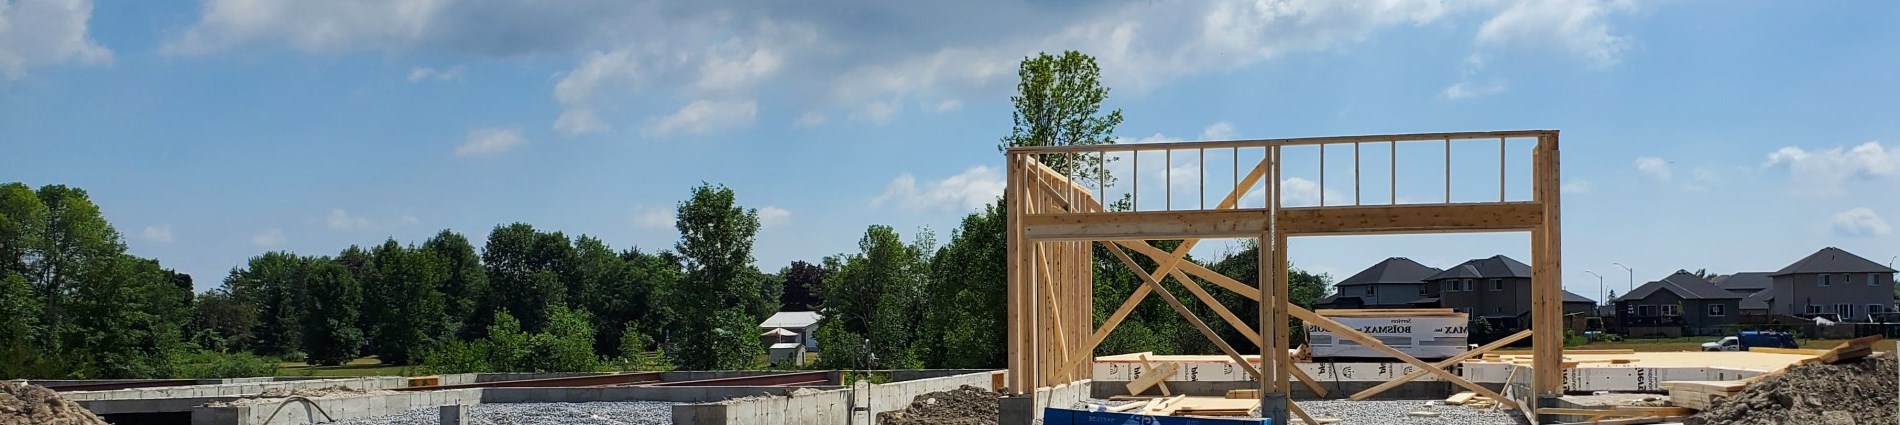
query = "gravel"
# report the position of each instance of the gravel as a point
(1382, 412)
(625, 412)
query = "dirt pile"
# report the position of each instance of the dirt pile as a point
(277, 395)
(965, 405)
(22, 404)
(1853, 392)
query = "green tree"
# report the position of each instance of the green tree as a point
(566, 346)
(802, 286)
(270, 288)
(404, 304)
(525, 270)
(715, 329)
(223, 319)
(876, 295)
(632, 295)
(329, 324)
(21, 307)
(465, 284)
(965, 318)
(1059, 103)
(1305, 289)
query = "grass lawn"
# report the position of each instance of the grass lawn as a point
(367, 366)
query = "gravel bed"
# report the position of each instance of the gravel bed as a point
(1383, 412)
(625, 412)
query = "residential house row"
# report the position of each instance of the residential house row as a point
(1830, 284)
(1496, 290)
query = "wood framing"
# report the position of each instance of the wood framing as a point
(1056, 199)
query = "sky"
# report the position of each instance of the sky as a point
(1727, 136)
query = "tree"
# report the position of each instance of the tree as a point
(802, 283)
(965, 319)
(270, 287)
(330, 334)
(716, 331)
(1704, 274)
(465, 284)
(1059, 103)
(633, 295)
(404, 306)
(525, 269)
(220, 322)
(875, 295)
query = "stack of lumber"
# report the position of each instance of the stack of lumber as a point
(1852, 349)
(1470, 399)
(1700, 395)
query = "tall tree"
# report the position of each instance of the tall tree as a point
(1059, 103)
(874, 296)
(271, 287)
(404, 304)
(329, 323)
(465, 284)
(130, 318)
(525, 268)
(715, 329)
(220, 322)
(802, 282)
(965, 318)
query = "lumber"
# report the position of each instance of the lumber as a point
(1375, 390)
(1297, 411)
(1150, 366)
(1154, 376)
(1185, 313)
(1801, 351)
(1305, 378)
(1460, 398)
(1368, 341)
(1851, 349)
(1127, 407)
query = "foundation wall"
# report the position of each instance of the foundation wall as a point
(237, 389)
(804, 408)
(324, 410)
(1021, 410)
(872, 399)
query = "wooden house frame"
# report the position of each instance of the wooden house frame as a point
(1055, 218)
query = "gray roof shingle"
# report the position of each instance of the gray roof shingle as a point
(1683, 284)
(1832, 260)
(1744, 282)
(1392, 270)
(1497, 266)
(1572, 297)
(1758, 300)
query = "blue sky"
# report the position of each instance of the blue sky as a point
(1727, 136)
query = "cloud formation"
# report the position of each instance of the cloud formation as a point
(160, 234)
(37, 33)
(486, 141)
(653, 218)
(703, 116)
(772, 216)
(1655, 168)
(341, 220)
(1826, 172)
(971, 189)
(1861, 221)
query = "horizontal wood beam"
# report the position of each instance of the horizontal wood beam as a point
(1258, 143)
(1146, 225)
(1385, 219)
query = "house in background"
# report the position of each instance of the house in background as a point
(1679, 304)
(1831, 283)
(1495, 289)
(799, 325)
(1394, 283)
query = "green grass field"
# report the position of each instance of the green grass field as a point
(367, 366)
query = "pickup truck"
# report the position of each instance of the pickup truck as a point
(1745, 340)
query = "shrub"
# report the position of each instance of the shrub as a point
(204, 364)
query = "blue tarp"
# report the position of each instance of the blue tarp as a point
(1054, 416)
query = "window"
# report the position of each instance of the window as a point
(1369, 289)
(1844, 310)
(1467, 285)
(1873, 279)
(1671, 310)
(1647, 310)
(1876, 309)
(1814, 309)
(1450, 285)
(1497, 284)
(1824, 279)
(1715, 310)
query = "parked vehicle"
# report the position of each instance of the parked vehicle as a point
(1748, 339)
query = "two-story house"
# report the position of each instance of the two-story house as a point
(1831, 281)
(1752, 286)
(1393, 283)
(1681, 303)
(1495, 289)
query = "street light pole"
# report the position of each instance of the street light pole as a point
(1601, 296)
(1632, 277)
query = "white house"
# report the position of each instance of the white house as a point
(803, 323)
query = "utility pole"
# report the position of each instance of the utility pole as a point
(1632, 287)
(1602, 298)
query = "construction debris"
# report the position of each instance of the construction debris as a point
(24, 404)
(1850, 391)
(278, 395)
(965, 405)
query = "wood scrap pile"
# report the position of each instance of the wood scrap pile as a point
(1606, 356)
(1699, 395)
(1183, 405)
(1470, 399)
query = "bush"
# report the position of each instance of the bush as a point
(204, 364)
(566, 346)
(456, 357)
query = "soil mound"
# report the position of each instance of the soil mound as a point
(22, 404)
(1852, 392)
(965, 405)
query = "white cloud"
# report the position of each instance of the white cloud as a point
(425, 73)
(1577, 186)
(1825, 172)
(1701, 179)
(410, 220)
(484, 141)
(1578, 27)
(877, 111)
(1655, 168)
(810, 119)
(772, 216)
(948, 105)
(968, 190)
(37, 33)
(160, 234)
(340, 220)
(1466, 89)
(1300, 192)
(655, 218)
(1219, 131)
(1860, 221)
(704, 116)
(269, 238)
(720, 73)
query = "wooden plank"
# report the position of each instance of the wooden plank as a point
(1300, 141)
(1375, 390)
(1020, 348)
(1050, 298)
(1851, 349)
(1185, 314)
(1215, 305)
(1195, 269)
(1368, 341)
(1800, 351)
(1490, 216)
(1306, 379)
(1154, 376)
(1547, 277)
(1297, 411)
(1460, 398)
(1145, 225)
(1128, 406)
(1150, 366)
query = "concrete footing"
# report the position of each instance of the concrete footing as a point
(1023, 410)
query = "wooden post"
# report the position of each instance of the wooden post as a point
(1272, 308)
(1547, 275)
(1019, 323)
